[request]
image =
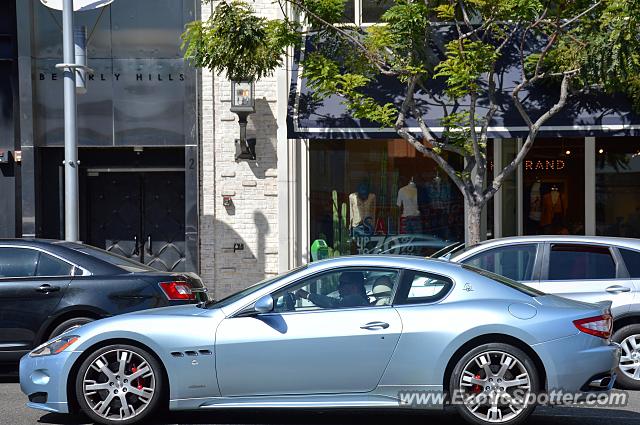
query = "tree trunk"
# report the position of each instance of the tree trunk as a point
(473, 233)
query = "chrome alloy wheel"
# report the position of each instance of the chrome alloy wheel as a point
(494, 386)
(630, 359)
(118, 385)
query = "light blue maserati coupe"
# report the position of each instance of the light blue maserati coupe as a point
(366, 332)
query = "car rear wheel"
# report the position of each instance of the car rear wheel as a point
(629, 368)
(69, 325)
(492, 383)
(119, 384)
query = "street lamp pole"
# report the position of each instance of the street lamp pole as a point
(71, 227)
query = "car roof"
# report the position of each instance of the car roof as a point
(606, 240)
(396, 261)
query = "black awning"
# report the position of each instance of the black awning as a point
(592, 114)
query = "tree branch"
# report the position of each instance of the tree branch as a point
(533, 132)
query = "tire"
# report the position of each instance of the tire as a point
(493, 355)
(629, 369)
(112, 382)
(69, 324)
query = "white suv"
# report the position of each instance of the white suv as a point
(585, 268)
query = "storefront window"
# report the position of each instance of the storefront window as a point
(553, 187)
(617, 187)
(380, 196)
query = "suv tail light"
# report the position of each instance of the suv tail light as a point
(599, 326)
(177, 291)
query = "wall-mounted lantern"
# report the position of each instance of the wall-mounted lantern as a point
(243, 104)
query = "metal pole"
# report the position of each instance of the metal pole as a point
(70, 128)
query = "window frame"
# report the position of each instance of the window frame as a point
(357, 15)
(547, 260)
(74, 267)
(341, 269)
(407, 278)
(537, 261)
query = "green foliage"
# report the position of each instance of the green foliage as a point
(237, 42)
(464, 64)
(325, 78)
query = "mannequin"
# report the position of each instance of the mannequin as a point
(408, 202)
(554, 208)
(362, 210)
(535, 202)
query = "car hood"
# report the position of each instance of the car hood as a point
(176, 310)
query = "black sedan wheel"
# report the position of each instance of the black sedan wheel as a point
(69, 325)
(119, 384)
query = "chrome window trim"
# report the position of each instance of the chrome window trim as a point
(296, 281)
(85, 272)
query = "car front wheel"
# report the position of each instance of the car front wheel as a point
(119, 384)
(492, 384)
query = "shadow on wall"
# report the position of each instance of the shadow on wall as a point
(238, 266)
(263, 127)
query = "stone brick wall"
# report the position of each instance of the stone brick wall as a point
(251, 221)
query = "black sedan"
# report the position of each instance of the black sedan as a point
(49, 287)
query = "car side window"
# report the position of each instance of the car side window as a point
(18, 262)
(344, 288)
(632, 261)
(50, 266)
(514, 261)
(421, 287)
(581, 262)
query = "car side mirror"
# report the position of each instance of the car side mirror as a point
(264, 304)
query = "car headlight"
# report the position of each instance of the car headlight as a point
(55, 346)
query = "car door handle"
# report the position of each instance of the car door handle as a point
(374, 326)
(615, 289)
(46, 288)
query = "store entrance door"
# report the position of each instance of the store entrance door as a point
(138, 214)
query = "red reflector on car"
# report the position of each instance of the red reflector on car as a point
(177, 291)
(599, 326)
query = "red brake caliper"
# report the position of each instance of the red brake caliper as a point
(139, 383)
(477, 388)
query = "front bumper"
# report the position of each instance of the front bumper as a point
(44, 380)
(572, 363)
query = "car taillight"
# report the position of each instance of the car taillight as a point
(177, 291)
(600, 326)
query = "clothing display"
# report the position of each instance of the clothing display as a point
(361, 209)
(411, 225)
(408, 200)
(553, 208)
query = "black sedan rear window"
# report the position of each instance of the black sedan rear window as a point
(108, 257)
(505, 281)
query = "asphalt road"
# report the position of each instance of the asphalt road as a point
(13, 411)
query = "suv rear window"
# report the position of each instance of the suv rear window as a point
(578, 262)
(632, 261)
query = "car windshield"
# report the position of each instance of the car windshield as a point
(111, 258)
(506, 281)
(250, 290)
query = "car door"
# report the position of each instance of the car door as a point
(31, 285)
(301, 348)
(586, 272)
(517, 261)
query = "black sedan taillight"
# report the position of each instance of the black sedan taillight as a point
(177, 291)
